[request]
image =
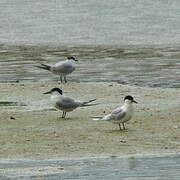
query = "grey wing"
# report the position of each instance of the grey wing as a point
(64, 67)
(118, 114)
(66, 102)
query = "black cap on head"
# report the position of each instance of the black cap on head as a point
(72, 58)
(57, 89)
(130, 98)
(54, 90)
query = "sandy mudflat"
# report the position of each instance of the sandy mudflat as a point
(31, 132)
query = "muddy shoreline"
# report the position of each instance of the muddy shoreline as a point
(36, 131)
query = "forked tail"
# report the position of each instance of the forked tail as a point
(96, 118)
(105, 118)
(86, 103)
(44, 66)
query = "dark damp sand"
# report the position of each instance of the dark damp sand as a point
(155, 127)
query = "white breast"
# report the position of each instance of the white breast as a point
(128, 108)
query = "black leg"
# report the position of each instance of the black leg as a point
(120, 126)
(124, 126)
(63, 114)
(65, 80)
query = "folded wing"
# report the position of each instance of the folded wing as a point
(64, 67)
(66, 102)
(118, 114)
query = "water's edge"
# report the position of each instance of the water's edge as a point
(133, 166)
(145, 67)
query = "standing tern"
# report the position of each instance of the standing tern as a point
(62, 68)
(64, 103)
(121, 114)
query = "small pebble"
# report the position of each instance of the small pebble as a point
(12, 118)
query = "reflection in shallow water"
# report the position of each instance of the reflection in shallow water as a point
(135, 168)
(154, 67)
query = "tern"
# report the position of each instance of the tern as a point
(65, 103)
(62, 68)
(121, 114)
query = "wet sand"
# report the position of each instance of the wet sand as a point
(34, 132)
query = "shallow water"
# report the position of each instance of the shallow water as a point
(153, 67)
(134, 168)
(83, 22)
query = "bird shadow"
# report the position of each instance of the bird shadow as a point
(63, 119)
(117, 131)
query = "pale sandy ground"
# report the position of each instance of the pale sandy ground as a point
(42, 134)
